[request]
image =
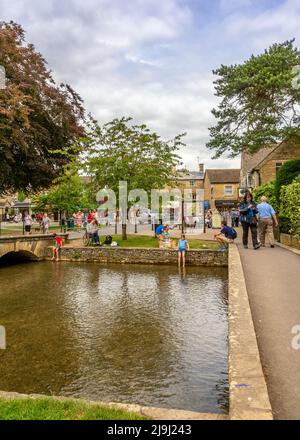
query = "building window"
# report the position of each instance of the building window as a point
(278, 165)
(192, 182)
(228, 190)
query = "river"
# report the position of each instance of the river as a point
(135, 334)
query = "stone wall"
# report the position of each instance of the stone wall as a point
(140, 256)
(290, 240)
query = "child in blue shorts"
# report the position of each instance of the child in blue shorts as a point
(183, 245)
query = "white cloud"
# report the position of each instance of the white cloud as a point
(274, 24)
(152, 59)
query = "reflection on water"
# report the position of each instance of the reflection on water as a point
(150, 335)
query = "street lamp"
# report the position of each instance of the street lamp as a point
(116, 222)
(182, 215)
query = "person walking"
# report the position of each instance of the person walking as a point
(63, 222)
(266, 220)
(45, 224)
(90, 216)
(232, 216)
(27, 223)
(79, 220)
(236, 218)
(208, 219)
(248, 213)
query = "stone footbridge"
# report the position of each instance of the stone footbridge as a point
(27, 247)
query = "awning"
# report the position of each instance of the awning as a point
(226, 202)
(21, 205)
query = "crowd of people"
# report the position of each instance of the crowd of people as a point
(257, 219)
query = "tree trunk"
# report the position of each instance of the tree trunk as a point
(124, 232)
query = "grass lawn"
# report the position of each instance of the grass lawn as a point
(151, 242)
(52, 409)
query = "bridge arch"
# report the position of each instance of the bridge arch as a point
(26, 247)
(17, 256)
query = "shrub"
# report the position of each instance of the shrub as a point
(284, 225)
(286, 174)
(267, 190)
(290, 205)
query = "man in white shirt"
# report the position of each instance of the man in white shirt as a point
(27, 223)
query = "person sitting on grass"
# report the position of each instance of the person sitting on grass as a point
(159, 230)
(165, 240)
(225, 236)
(183, 245)
(56, 249)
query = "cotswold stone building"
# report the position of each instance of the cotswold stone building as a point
(192, 180)
(221, 188)
(262, 167)
(6, 202)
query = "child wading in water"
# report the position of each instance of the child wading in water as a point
(183, 245)
(57, 247)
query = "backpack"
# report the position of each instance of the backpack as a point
(233, 233)
(108, 239)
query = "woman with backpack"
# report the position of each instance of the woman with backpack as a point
(248, 218)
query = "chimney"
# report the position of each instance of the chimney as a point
(201, 167)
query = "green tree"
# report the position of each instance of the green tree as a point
(259, 102)
(69, 194)
(120, 151)
(21, 196)
(290, 205)
(267, 190)
(286, 174)
(39, 120)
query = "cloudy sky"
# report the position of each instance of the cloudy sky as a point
(153, 59)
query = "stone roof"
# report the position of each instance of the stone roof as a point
(191, 175)
(22, 204)
(224, 175)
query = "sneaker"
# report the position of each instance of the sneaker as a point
(272, 246)
(257, 246)
(245, 246)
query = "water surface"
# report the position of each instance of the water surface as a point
(136, 334)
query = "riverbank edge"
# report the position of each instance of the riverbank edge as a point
(148, 412)
(139, 255)
(248, 394)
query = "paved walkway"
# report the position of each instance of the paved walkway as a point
(273, 284)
